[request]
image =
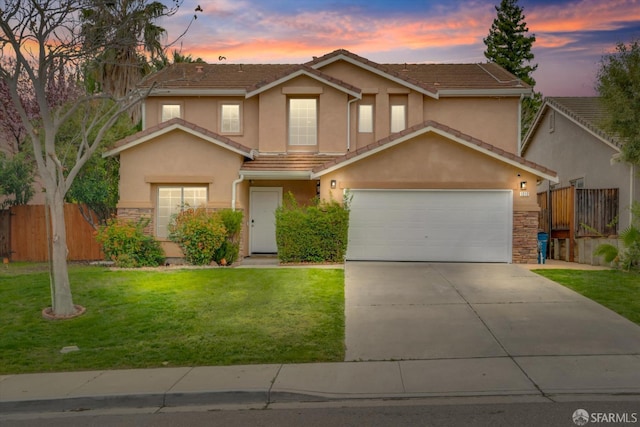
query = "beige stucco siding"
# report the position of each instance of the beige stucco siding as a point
(431, 161)
(177, 158)
(332, 116)
(493, 120)
(205, 112)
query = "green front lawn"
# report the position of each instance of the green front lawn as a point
(617, 290)
(139, 319)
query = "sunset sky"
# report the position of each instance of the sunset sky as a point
(572, 36)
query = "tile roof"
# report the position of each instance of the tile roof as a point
(434, 77)
(431, 125)
(215, 76)
(286, 162)
(308, 70)
(588, 111)
(160, 128)
(430, 77)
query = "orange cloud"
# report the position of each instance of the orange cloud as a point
(307, 34)
(583, 15)
(243, 32)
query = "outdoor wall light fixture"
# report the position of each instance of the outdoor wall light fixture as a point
(333, 184)
(523, 185)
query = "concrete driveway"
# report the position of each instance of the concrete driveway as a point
(422, 311)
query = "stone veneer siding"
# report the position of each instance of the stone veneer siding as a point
(134, 214)
(525, 237)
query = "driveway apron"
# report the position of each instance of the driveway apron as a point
(421, 311)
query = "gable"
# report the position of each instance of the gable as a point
(452, 136)
(151, 134)
(310, 73)
(436, 80)
(584, 113)
(433, 161)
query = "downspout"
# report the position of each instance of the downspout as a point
(234, 191)
(520, 125)
(349, 123)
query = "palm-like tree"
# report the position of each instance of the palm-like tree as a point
(127, 27)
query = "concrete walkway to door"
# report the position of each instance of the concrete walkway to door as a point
(462, 318)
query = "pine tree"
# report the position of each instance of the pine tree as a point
(508, 44)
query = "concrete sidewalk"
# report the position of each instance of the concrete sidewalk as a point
(551, 378)
(447, 331)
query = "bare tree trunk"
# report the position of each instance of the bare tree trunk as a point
(62, 303)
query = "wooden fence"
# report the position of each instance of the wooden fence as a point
(28, 234)
(570, 213)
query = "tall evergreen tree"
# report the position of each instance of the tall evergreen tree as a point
(509, 45)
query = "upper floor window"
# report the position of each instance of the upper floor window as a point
(398, 118)
(303, 121)
(365, 118)
(230, 118)
(170, 111)
(172, 200)
(578, 182)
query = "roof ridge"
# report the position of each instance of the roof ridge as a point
(180, 122)
(571, 112)
(444, 128)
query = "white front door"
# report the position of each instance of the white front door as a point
(263, 204)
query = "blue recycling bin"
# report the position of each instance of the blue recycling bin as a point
(543, 241)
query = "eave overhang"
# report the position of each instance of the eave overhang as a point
(434, 127)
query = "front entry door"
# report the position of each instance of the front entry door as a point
(263, 204)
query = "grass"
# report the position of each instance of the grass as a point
(141, 319)
(615, 289)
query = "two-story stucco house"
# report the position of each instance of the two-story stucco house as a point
(427, 153)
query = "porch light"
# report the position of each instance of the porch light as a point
(333, 184)
(523, 185)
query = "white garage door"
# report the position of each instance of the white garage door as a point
(431, 225)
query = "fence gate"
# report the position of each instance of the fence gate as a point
(569, 213)
(5, 233)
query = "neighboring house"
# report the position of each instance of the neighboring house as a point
(567, 136)
(426, 152)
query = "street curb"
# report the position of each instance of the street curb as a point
(159, 400)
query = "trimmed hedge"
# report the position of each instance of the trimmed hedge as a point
(198, 233)
(207, 236)
(126, 244)
(316, 233)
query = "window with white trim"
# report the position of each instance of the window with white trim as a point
(303, 121)
(174, 199)
(398, 118)
(230, 118)
(170, 111)
(365, 118)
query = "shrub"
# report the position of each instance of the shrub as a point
(228, 252)
(628, 255)
(198, 233)
(316, 233)
(126, 243)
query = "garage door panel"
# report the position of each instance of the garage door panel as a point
(410, 225)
